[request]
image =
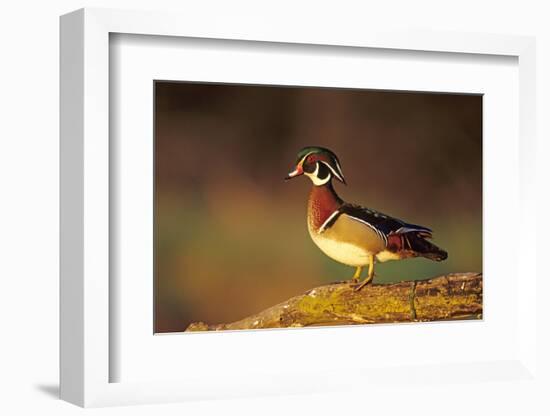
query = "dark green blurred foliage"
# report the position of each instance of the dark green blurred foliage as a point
(231, 236)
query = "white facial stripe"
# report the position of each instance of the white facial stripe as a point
(332, 169)
(340, 173)
(313, 176)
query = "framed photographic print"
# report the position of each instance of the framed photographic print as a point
(191, 269)
(232, 237)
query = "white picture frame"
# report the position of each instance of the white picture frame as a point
(86, 357)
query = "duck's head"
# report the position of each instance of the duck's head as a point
(318, 164)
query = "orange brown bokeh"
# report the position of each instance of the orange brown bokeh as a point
(231, 235)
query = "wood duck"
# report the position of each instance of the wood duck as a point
(351, 234)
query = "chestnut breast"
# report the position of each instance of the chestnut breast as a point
(322, 202)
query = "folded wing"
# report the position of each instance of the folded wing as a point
(404, 239)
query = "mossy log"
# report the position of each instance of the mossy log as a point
(448, 297)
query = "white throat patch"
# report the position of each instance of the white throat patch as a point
(313, 176)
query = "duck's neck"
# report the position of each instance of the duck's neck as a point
(323, 201)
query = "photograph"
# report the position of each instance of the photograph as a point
(289, 207)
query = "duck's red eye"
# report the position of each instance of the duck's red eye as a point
(311, 159)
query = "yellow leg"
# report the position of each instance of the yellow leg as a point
(357, 274)
(370, 276)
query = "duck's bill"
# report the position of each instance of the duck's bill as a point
(296, 172)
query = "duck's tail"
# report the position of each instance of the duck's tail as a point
(414, 243)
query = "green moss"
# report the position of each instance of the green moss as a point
(342, 302)
(446, 304)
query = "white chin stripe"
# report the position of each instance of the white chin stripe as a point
(313, 176)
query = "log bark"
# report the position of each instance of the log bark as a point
(449, 297)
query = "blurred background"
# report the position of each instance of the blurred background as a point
(231, 235)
